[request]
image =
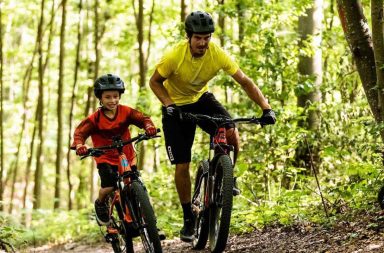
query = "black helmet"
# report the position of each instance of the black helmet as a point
(108, 82)
(199, 22)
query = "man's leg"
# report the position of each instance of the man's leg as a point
(183, 187)
(183, 182)
(234, 140)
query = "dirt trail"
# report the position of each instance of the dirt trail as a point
(364, 234)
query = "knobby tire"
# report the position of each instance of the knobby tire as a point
(146, 218)
(220, 211)
(201, 216)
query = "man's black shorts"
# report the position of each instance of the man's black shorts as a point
(179, 135)
(108, 174)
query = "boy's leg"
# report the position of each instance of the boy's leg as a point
(108, 177)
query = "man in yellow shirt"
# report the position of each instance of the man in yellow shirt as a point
(180, 82)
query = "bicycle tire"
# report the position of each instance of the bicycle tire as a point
(380, 197)
(221, 209)
(146, 218)
(201, 214)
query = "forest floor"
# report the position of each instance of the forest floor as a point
(362, 232)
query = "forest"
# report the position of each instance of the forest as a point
(320, 64)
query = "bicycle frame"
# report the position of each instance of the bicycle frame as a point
(124, 168)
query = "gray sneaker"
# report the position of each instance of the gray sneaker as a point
(102, 213)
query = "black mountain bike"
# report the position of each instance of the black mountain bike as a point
(214, 186)
(130, 209)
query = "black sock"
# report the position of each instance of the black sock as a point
(187, 211)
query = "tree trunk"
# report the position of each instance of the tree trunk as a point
(241, 22)
(40, 117)
(378, 47)
(57, 198)
(143, 102)
(310, 71)
(2, 187)
(73, 99)
(359, 39)
(183, 11)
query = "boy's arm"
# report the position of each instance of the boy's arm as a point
(82, 132)
(142, 121)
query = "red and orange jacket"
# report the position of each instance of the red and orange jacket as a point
(102, 129)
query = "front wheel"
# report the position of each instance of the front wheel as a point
(221, 208)
(198, 207)
(146, 219)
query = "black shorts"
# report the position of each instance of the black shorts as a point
(108, 174)
(179, 135)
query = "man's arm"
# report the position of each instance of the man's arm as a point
(251, 89)
(156, 84)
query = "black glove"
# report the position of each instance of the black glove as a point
(268, 117)
(174, 112)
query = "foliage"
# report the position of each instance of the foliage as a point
(274, 188)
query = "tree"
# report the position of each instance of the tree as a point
(357, 34)
(378, 48)
(72, 102)
(39, 115)
(143, 61)
(1, 111)
(310, 72)
(60, 107)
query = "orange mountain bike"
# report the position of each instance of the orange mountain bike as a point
(214, 186)
(131, 212)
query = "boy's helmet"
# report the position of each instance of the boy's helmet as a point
(199, 22)
(108, 82)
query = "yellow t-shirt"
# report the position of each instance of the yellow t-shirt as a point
(187, 76)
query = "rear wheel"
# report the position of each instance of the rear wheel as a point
(145, 218)
(221, 208)
(201, 214)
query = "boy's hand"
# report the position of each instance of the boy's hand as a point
(150, 130)
(81, 149)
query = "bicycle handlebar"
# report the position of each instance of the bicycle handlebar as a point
(117, 143)
(220, 120)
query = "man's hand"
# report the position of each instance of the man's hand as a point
(268, 117)
(81, 149)
(150, 130)
(174, 111)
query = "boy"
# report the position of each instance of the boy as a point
(109, 120)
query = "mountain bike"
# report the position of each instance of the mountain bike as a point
(130, 210)
(214, 186)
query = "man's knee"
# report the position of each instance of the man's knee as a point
(233, 138)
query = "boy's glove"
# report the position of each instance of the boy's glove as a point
(150, 130)
(268, 117)
(81, 149)
(174, 111)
